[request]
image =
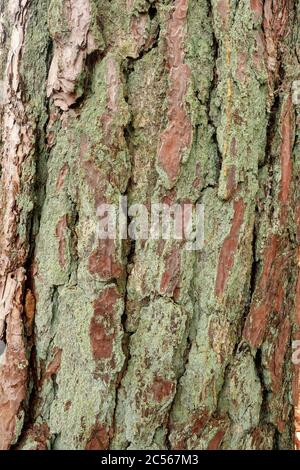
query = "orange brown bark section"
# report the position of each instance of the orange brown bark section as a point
(40, 435)
(177, 136)
(103, 261)
(29, 310)
(162, 388)
(226, 259)
(257, 319)
(257, 7)
(286, 158)
(216, 440)
(275, 20)
(170, 278)
(102, 332)
(99, 439)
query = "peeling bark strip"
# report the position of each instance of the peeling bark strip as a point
(73, 42)
(18, 139)
(143, 344)
(16, 153)
(14, 364)
(177, 136)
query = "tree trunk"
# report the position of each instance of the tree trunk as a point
(116, 344)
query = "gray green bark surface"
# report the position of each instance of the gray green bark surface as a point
(123, 345)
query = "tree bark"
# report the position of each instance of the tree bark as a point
(145, 345)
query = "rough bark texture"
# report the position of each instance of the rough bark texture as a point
(145, 345)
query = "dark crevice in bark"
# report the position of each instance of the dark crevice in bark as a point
(126, 337)
(130, 245)
(185, 359)
(49, 53)
(225, 376)
(90, 64)
(34, 396)
(131, 61)
(253, 274)
(218, 163)
(273, 119)
(39, 191)
(54, 303)
(276, 445)
(271, 131)
(33, 375)
(264, 406)
(53, 441)
(29, 406)
(73, 224)
(33, 399)
(214, 82)
(255, 263)
(152, 12)
(189, 344)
